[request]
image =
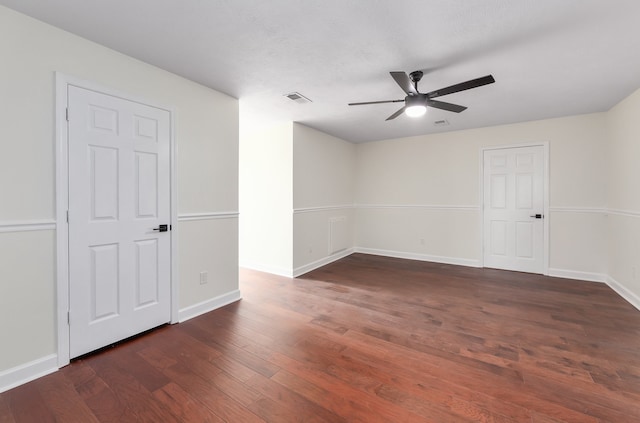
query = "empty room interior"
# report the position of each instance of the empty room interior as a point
(327, 211)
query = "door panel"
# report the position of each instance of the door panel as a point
(513, 193)
(498, 237)
(524, 240)
(147, 272)
(146, 185)
(104, 281)
(119, 191)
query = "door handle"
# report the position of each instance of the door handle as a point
(538, 216)
(162, 228)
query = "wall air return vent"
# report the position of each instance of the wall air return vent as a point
(297, 97)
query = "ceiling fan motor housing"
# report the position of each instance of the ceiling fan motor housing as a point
(416, 100)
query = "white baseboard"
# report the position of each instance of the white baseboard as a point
(576, 274)
(274, 270)
(301, 270)
(27, 372)
(420, 257)
(208, 305)
(629, 296)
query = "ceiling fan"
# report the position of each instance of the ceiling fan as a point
(415, 103)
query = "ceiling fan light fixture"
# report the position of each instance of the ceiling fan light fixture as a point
(415, 111)
(415, 105)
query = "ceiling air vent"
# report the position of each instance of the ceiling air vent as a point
(297, 97)
(441, 122)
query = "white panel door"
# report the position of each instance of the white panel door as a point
(119, 195)
(513, 209)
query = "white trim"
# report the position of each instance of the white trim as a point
(322, 208)
(627, 213)
(418, 206)
(173, 218)
(62, 82)
(595, 210)
(546, 196)
(480, 247)
(578, 274)
(421, 257)
(187, 217)
(298, 271)
(301, 270)
(62, 226)
(625, 293)
(274, 270)
(547, 201)
(27, 372)
(209, 305)
(516, 145)
(28, 225)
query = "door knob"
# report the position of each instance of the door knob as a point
(537, 216)
(162, 228)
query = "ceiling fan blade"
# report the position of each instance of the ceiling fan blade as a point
(446, 106)
(396, 114)
(376, 102)
(405, 83)
(474, 83)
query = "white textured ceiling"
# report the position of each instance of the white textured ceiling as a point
(550, 58)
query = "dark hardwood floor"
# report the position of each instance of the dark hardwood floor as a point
(367, 339)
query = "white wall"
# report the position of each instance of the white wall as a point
(293, 181)
(624, 197)
(266, 198)
(207, 152)
(418, 197)
(323, 190)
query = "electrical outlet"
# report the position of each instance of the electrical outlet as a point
(204, 277)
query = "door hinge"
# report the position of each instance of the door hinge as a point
(67, 216)
(68, 317)
(66, 114)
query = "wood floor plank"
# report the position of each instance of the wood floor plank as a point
(333, 400)
(234, 368)
(367, 339)
(103, 402)
(6, 416)
(130, 392)
(208, 394)
(241, 391)
(376, 405)
(183, 407)
(296, 404)
(226, 344)
(64, 401)
(27, 405)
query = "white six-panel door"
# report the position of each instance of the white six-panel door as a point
(514, 209)
(119, 192)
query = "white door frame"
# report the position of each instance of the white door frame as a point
(62, 201)
(545, 185)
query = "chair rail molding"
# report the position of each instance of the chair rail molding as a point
(27, 225)
(188, 217)
(323, 208)
(443, 207)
